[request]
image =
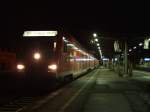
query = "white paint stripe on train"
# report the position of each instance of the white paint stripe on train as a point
(77, 94)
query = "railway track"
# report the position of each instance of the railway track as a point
(17, 105)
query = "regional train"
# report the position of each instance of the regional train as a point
(52, 53)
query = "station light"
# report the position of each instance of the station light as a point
(134, 47)
(96, 40)
(97, 44)
(95, 35)
(130, 50)
(140, 44)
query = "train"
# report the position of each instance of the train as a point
(52, 53)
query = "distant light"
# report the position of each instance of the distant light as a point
(116, 59)
(98, 44)
(95, 35)
(140, 44)
(149, 39)
(96, 40)
(134, 47)
(39, 33)
(99, 48)
(130, 50)
(146, 59)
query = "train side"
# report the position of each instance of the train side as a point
(74, 60)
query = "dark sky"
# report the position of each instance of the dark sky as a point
(123, 20)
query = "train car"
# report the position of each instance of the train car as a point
(53, 53)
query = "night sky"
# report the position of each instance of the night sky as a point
(117, 20)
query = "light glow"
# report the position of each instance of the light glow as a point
(37, 56)
(130, 50)
(140, 44)
(39, 33)
(54, 45)
(52, 67)
(20, 66)
(95, 35)
(96, 40)
(134, 47)
(65, 40)
(105, 59)
(97, 44)
(84, 59)
(146, 59)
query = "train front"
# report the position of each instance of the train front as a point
(36, 55)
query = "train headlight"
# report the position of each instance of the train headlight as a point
(52, 67)
(20, 67)
(37, 56)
